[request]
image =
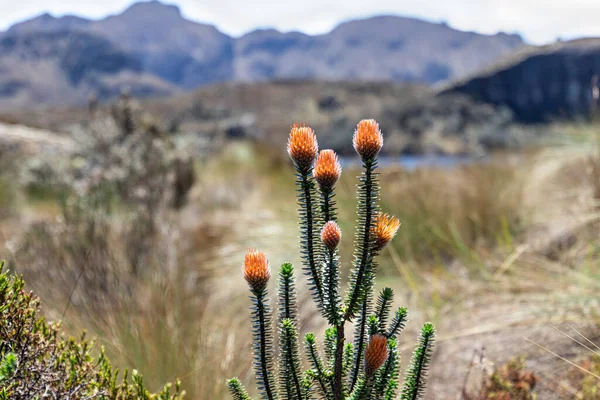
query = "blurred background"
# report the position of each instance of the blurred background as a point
(142, 150)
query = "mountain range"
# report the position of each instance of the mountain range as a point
(152, 50)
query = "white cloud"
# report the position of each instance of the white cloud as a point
(539, 21)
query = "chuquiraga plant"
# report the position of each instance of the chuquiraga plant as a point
(369, 367)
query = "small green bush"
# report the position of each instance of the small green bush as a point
(37, 361)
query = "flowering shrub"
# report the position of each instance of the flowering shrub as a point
(369, 367)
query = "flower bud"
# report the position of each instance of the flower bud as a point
(327, 169)
(256, 269)
(367, 139)
(376, 354)
(331, 235)
(386, 227)
(302, 146)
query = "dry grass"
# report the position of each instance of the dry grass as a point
(447, 213)
(466, 257)
(147, 309)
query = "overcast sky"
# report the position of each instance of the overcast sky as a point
(538, 21)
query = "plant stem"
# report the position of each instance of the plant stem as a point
(332, 289)
(326, 205)
(360, 344)
(309, 239)
(366, 239)
(261, 312)
(292, 365)
(338, 390)
(314, 359)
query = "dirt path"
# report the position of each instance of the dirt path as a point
(32, 139)
(534, 293)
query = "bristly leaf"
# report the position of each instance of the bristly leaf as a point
(386, 383)
(382, 309)
(237, 389)
(397, 323)
(289, 372)
(368, 192)
(288, 308)
(262, 344)
(330, 344)
(416, 375)
(310, 244)
(325, 387)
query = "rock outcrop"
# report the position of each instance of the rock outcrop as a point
(540, 84)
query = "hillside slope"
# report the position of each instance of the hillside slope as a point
(66, 67)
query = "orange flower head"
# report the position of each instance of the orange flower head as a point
(302, 146)
(386, 227)
(375, 354)
(367, 139)
(327, 169)
(331, 235)
(256, 269)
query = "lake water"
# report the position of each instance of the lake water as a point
(420, 161)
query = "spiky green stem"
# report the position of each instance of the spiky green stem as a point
(261, 318)
(307, 383)
(308, 235)
(288, 308)
(328, 205)
(237, 389)
(360, 340)
(290, 371)
(316, 364)
(338, 368)
(387, 378)
(382, 310)
(372, 325)
(329, 343)
(367, 193)
(348, 357)
(332, 294)
(414, 382)
(397, 323)
(363, 389)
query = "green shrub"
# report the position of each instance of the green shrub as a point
(36, 361)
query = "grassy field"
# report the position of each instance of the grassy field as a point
(493, 253)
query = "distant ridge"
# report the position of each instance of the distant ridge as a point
(179, 54)
(539, 84)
